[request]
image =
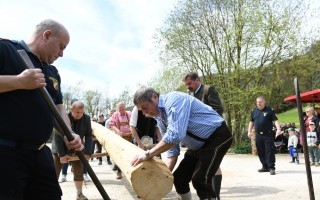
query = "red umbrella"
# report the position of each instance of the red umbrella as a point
(312, 96)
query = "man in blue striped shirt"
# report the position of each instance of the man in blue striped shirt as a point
(183, 118)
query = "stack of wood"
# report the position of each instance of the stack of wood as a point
(151, 179)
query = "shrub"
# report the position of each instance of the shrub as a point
(244, 148)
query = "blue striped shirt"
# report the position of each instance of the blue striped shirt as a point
(180, 113)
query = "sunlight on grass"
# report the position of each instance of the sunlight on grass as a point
(289, 116)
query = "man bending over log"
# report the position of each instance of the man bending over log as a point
(183, 118)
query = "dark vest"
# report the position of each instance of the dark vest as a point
(146, 126)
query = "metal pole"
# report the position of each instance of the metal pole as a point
(64, 127)
(304, 139)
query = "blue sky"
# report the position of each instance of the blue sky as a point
(111, 44)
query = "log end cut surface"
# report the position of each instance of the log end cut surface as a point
(152, 186)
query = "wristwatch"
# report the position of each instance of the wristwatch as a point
(147, 154)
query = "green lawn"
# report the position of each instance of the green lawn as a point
(289, 116)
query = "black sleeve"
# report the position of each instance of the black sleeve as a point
(315, 120)
(318, 136)
(214, 100)
(1, 55)
(88, 136)
(251, 116)
(274, 117)
(59, 144)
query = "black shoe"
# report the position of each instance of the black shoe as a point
(263, 170)
(272, 172)
(114, 168)
(109, 162)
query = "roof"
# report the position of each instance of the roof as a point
(311, 96)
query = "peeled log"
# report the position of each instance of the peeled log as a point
(151, 180)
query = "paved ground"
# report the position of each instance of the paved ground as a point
(240, 181)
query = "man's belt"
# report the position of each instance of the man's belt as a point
(264, 132)
(20, 145)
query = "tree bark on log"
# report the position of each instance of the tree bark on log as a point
(253, 143)
(151, 179)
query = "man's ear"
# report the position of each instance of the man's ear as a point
(154, 97)
(47, 34)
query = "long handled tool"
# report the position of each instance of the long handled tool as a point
(64, 127)
(304, 139)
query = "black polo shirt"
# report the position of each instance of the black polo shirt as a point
(24, 114)
(263, 119)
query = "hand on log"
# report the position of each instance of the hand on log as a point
(139, 158)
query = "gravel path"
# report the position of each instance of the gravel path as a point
(240, 181)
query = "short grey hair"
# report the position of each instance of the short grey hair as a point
(143, 94)
(261, 97)
(50, 24)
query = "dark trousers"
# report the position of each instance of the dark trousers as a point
(28, 175)
(201, 165)
(99, 149)
(266, 150)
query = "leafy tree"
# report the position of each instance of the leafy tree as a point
(71, 92)
(126, 97)
(167, 79)
(92, 100)
(235, 45)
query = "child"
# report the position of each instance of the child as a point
(292, 145)
(312, 138)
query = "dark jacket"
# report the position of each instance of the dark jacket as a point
(82, 127)
(208, 95)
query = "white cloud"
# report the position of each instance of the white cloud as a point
(110, 42)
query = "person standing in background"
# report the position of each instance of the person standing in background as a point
(120, 125)
(292, 145)
(101, 121)
(313, 143)
(208, 95)
(107, 124)
(262, 118)
(80, 123)
(144, 129)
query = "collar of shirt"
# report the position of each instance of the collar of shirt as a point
(162, 115)
(195, 92)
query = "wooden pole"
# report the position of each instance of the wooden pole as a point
(304, 139)
(151, 180)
